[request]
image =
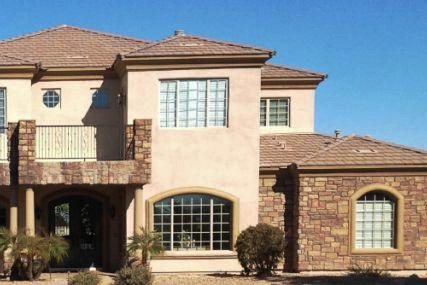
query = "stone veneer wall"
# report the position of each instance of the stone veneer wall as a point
(324, 221)
(137, 170)
(276, 208)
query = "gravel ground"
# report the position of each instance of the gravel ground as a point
(309, 278)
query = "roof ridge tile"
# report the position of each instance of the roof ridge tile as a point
(404, 147)
(51, 29)
(287, 67)
(179, 36)
(18, 58)
(326, 149)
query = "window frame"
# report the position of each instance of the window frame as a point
(58, 91)
(398, 220)
(267, 112)
(92, 106)
(198, 190)
(4, 89)
(207, 79)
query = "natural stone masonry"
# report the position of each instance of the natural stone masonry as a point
(324, 222)
(277, 208)
(135, 171)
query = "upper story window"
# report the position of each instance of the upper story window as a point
(99, 99)
(375, 221)
(2, 108)
(52, 97)
(274, 112)
(193, 103)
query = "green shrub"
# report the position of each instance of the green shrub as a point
(85, 278)
(369, 272)
(260, 248)
(138, 275)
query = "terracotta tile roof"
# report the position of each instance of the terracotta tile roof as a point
(181, 45)
(277, 71)
(278, 150)
(365, 151)
(66, 46)
(321, 151)
(6, 60)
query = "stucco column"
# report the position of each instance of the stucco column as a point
(13, 210)
(138, 210)
(29, 212)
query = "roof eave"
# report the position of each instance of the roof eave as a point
(376, 167)
(21, 71)
(291, 82)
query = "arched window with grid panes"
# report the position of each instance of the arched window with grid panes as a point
(194, 222)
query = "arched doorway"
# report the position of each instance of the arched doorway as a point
(78, 219)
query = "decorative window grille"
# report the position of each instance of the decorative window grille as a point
(194, 222)
(375, 221)
(51, 98)
(62, 219)
(193, 103)
(274, 112)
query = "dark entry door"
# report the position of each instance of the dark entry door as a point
(78, 219)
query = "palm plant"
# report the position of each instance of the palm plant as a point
(33, 253)
(144, 244)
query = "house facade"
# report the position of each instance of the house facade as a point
(196, 139)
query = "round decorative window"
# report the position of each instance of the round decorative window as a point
(51, 98)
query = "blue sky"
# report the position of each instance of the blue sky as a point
(375, 52)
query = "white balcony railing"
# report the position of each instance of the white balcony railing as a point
(79, 142)
(3, 144)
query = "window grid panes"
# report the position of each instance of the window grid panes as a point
(193, 103)
(168, 104)
(263, 112)
(217, 102)
(193, 222)
(99, 99)
(375, 219)
(274, 112)
(51, 98)
(2, 110)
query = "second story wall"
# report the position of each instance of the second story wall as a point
(222, 158)
(75, 106)
(18, 99)
(300, 111)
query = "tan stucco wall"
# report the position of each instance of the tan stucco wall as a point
(226, 158)
(18, 98)
(76, 98)
(301, 111)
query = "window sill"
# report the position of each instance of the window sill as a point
(197, 254)
(376, 251)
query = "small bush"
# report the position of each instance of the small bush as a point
(84, 278)
(138, 275)
(260, 248)
(369, 272)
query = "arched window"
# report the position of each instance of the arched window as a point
(375, 221)
(194, 222)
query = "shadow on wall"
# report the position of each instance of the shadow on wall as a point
(104, 121)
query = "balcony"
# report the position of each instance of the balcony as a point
(79, 143)
(42, 155)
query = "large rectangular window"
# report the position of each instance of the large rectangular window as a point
(193, 103)
(274, 112)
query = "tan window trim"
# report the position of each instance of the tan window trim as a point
(398, 224)
(195, 190)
